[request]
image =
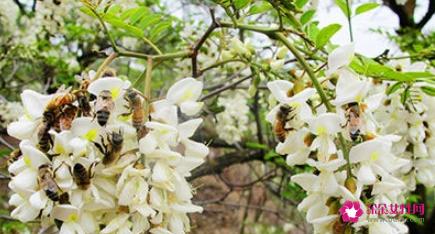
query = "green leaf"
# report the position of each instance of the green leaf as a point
(429, 90)
(114, 9)
(393, 88)
(136, 16)
(255, 145)
(366, 7)
(414, 219)
(300, 3)
(342, 5)
(149, 20)
(307, 16)
(116, 22)
(240, 4)
(270, 155)
(371, 68)
(259, 7)
(158, 29)
(87, 11)
(313, 30)
(325, 34)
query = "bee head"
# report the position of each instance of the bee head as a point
(131, 94)
(285, 108)
(117, 137)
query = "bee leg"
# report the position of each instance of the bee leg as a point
(91, 169)
(100, 148)
(58, 167)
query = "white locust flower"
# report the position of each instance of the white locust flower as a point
(185, 94)
(34, 105)
(375, 158)
(340, 57)
(324, 126)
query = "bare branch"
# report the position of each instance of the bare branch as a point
(216, 165)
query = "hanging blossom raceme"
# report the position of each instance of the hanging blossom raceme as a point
(390, 146)
(98, 166)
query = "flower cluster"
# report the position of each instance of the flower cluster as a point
(102, 166)
(9, 112)
(233, 122)
(366, 148)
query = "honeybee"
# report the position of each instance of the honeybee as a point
(111, 151)
(354, 121)
(81, 176)
(44, 139)
(83, 98)
(60, 100)
(284, 114)
(67, 116)
(14, 156)
(103, 106)
(135, 105)
(46, 182)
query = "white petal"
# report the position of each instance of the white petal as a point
(187, 89)
(38, 200)
(188, 128)
(25, 213)
(350, 88)
(23, 129)
(365, 175)
(148, 143)
(186, 208)
(195, 149)
(34, 103)
(165, 112)
(65, 212)
(115, 224)
(25, 180)
(85, 128)
(114, 85)
(305, 180)
(33, 157)
(340, 57)
(191, 108)
(280, 89)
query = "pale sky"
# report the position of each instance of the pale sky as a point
(367, 42)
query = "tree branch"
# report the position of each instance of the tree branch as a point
(429, 13)
(216, 165)
(198, 44)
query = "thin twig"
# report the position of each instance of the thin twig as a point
(220, 90)
(197, 46)
(104, 65)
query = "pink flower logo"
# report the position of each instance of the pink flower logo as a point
(351, 211)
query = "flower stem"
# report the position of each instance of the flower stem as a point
(147, 88)
(349, 20)
(320, 91)
(103, 66)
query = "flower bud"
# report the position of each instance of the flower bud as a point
(350, 184)
(282, 52)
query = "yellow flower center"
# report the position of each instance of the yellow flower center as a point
(27, 160)
(115, 92)
(374, 156)
(73, 217)
(187, 95)
(124, 118)
(91, 135)
(321, 130)
(58, 148)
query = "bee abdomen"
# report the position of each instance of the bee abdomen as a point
(81, 176)
(44, 142)
(52, 195)
(103, 117)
